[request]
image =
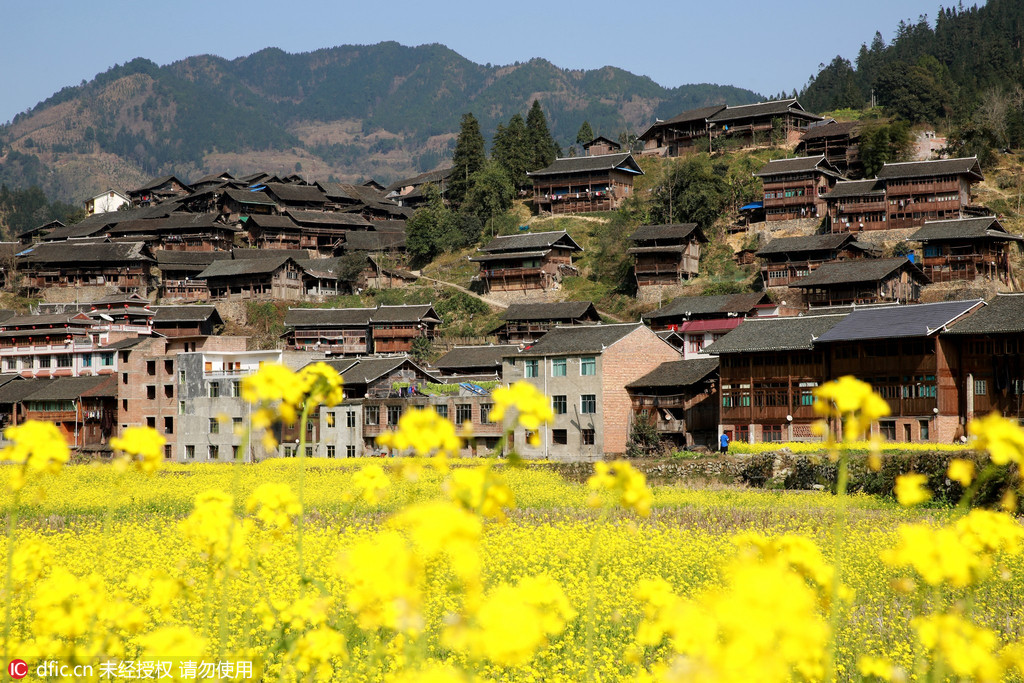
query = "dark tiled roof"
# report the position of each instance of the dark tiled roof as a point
(674, 231)
(797, 165)
(775, 334)
(857, 270)
(157, 182)
(706, 305)
(328, 218)
(918, 320)
(830, 129)
(124, 344)
(45, 319)
(580, 339)
(404, 314)
(181, 260)
(531, 241)
(272, 222)
(421, 179)
(70, 388)
(474, 357)
(809, 243)
(600, 138)
(315, 317)
(962, 229)
(249, 197)
(14, 392)
(243, 254)
(773, 108)
(924, 169)
(69, 252)
(677, 373)
(248, 266)
(591, 164)
(855, 188)
(290, 192)
(564, 310)
(185, 314)
(1003, 314)
(366, 370)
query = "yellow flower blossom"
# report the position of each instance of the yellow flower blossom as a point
(480, 490)
(624, 480)
(911, 489)
(533, 408)
(385, 578)
(215, 531)
(852, 401)
(423, 431)
(1002, 437)
(38, 447)
(173, 641)
(275, 506)
(142, 445)
(961, 470)
(968, 650)
(321, 385)
(317, 651)
(372, 482)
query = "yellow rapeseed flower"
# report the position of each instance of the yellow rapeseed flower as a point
(1002, 437)
(142, 445)
(480, 490)
(371, 482)
(215, 531)
(385, 578)
(533, 408)
(968, 650)
(321, 384)
(38, 447)
(423, 431)
(275, 506)
(852, 401)
(911, 489)
(961, 470)
(624, 480)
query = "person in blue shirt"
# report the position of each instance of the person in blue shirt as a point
(724, 442)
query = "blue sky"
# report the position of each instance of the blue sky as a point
(764, 46)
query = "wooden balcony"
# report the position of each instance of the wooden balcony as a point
(862, 207)
(511, 273)
(929, 187)
(396, 333)
(804, 200)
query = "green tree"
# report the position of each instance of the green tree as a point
(543, 149)
(585, 135)
(689, 191)
(468, 158)
(491, 193)
(423, 230)
(883, 143)
(511, 149)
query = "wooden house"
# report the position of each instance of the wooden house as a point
(787, 259)
(838, 142)
(680, 134)
(601, 145)
(863, 281)
(325, 231)
(294, 196)
(901, 352)
(376, 241)
(795, 188)
(409, 191)
(186, 321)
(769, 369)
(584, 184)
(702, 320)
(473, 363)
(84, 409)
(666, 254)
(756, 124)
(991, 350)
(359, 331)
(536, 260)
(31, 235)
(121, 265)
(236, 204)
(918, 191)
(274, 277)
(179, 273)
(159, 190)
(966, 249)
(178, 232)
(856, 205)
(363, 200)
(526, 323)
(679, 399)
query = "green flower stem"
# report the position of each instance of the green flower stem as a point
(12, 522)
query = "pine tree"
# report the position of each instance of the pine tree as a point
(511, 149)
(468, 158)
(543, 149)
(585, 135)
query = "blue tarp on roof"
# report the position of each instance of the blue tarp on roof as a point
(752, 206)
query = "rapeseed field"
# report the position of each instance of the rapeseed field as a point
(430, 568)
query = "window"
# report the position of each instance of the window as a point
(151, 367)
(463, 413)
(350, 418)
(124, 378)
(394, 415)
(587, 437)
(530, 368)
(485, 411)
(107, 359)
(235, 452)
(980, 387)
(559, 437)
(124, 404)
(236, 388)
(888, 429)
(558, 367)
(350, 451)
(214, 390)
(190, 452)
(309, 451)
(168, 425)
(168, 367)
(588, 404)
(151, 392)
(168, 391)
(214, 426)
(695, 343)
(331, 419)
(12, 363)
(151, 422)
(588, 365)
(442, 410)
(330, 451)
(559, 405)
(236, 424)
(214, 452)
(772, 433)
(181, 407)
(64, 361)
(44, 361)
(181, 376)
(371, 415)
(167, 452)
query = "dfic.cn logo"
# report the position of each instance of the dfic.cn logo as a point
(17, 668)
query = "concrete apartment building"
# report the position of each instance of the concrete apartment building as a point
(585, 370)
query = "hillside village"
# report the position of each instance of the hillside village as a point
(142, 312)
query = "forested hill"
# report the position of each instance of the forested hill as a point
(384, 111)
(932, 71)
